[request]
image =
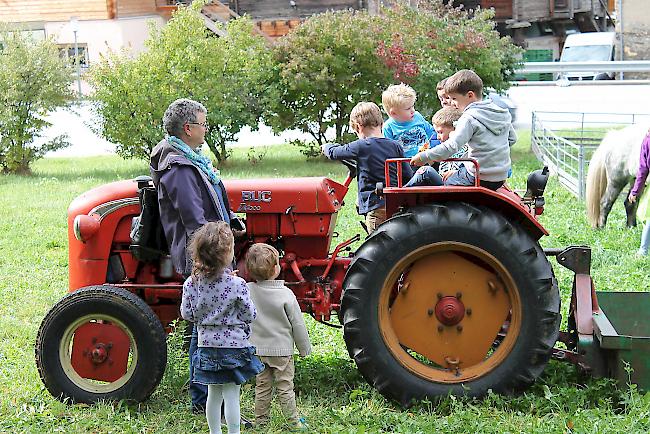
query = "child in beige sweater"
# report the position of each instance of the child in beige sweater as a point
(278, 326)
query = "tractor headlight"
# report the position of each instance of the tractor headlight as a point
(85, 227)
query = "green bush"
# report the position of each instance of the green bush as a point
(33, 81)
(183, 59)
(436, 40)
(337, 59)
(323, 68)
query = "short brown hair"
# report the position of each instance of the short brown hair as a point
(397, 94)
(211, 249)
(464, 81)
(441, 84)
(446, 116)
(261, 260)
(366, 114)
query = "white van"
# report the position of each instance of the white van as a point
(589, 47)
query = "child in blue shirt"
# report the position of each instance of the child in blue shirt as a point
(405, 124)
(370, 152)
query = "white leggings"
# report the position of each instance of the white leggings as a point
(218, 393)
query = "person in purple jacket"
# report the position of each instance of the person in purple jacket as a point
(219, 303)
(644, 208)
(190, 194)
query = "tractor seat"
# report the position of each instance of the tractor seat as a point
(148, 241)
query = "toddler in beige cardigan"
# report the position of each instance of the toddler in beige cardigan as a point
(278, 326)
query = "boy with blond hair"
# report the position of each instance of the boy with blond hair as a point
(370, 153)
(278, 326)
(405, 124)
(486, 129)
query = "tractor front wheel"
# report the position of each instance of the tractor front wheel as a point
(101, 342)
(450, 298)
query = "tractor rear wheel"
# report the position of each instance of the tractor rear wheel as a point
(450, 298)
(101, 342)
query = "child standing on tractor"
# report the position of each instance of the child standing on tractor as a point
(405, 124)
(219, 304)
(278, 326)
(486, 129)
(370, 153)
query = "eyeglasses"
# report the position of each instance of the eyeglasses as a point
(203, 124)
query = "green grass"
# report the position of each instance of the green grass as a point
(332, 395)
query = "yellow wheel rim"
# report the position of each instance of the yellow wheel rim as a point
(450, 312)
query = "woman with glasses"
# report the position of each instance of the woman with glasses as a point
(190, 194)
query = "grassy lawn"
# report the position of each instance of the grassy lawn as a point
(332, 395)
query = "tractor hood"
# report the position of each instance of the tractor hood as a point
(316, 195)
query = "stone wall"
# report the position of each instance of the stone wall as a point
(636, 33)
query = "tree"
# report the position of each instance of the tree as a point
(334, 60)
(34, 81)
(183, 59)
(435, 40)
(323, 68)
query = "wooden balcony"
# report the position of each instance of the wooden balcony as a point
(502, 8)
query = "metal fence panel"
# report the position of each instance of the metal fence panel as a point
(565, 141)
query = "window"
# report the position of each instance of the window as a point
(66, 51)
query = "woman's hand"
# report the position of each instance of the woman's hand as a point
(632, 198)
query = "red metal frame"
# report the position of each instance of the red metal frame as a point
(397, 161)
(504, 200)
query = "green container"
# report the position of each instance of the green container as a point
(537, 56)
(623, 332)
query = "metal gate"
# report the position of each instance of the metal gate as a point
(565, 141)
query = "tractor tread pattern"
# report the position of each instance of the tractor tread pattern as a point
(113, 299)
(373, 258)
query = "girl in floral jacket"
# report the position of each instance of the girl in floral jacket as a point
(219, 303)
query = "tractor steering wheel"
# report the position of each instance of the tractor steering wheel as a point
(352, 167)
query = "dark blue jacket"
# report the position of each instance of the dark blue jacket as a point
(370, 155)
(187, 200)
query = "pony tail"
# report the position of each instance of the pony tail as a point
(596, 185)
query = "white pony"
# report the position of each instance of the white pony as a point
(612, 167)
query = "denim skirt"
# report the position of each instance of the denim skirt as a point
(225, 365)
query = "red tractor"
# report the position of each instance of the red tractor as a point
(452, 294)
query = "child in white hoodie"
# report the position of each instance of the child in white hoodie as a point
(484, 126)
(278, 325)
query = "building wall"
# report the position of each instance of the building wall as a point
(103, 36)
(20, 11)
(271, 9)
(129, 8)
(636, 33)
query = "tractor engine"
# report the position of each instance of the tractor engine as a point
(297, 216)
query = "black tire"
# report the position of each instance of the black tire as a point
(485, 230)
(147, 354)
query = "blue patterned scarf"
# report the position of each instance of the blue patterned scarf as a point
(198, 159)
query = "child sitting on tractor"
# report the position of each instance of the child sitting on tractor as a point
(278, 326)
(370, 153)
(486, 129)
(405, 124)
(443, 121)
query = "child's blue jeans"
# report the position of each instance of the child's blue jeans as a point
(429, 176)
(425, 175)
